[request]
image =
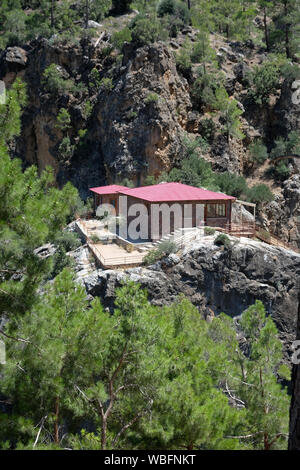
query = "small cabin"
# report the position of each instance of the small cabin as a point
(167, 206)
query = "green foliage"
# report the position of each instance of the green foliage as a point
(222, 240)
(54, 82)
(141, 377)
(94, 78)
(32, 212)
(230, 113)
(63, 119)
(165, 248)
(119, 37)
(68, 240)
(259, 193)
(183, 59)
(193, 169)
(209, 231)
(174, 13)
(202, 52)
(10, 111)
(106, 84)
(87, 109)
(204, 88)
(258, 152)
(145, 29)
(231, 184)
(264, 81)
(66, 150)
(151, 98)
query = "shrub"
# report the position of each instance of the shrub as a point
(259, 193)
(87, 109)
(209, 231)
(119, 37)
(68, 240)
(145, 29)
(63, 119)
(183, 60)
(222, 240)
(258, 152)
(174, 8)
(207, 129)
(106, 84)
(264, 81)
(151, 257)
(95, 238)
(94, 78)
(204, 88)
(166, 7)
(65, 150)
(167, 247)
(151, 98)
(54, 81)
(164, 249)
(231, 184)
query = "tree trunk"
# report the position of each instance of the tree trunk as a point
(189, 4)
(103, 434)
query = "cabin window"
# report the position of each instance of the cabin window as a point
(216, 210)
(112, 202)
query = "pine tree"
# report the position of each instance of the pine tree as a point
(231, 113)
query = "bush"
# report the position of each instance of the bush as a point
(264, 81)
(95, 238)
(145, 29)
(54, 81)
(259, 193)
(258, 152)
(119, 37)
(106, 84)
(65, 150)
(222, 240)
(231, 184)
(175, 8)
(63, 119)
(164, 249)
(209, 231)
(183, 60)
(204, 88)
(68, 240)
(151, 98)
(167, 247)
(207, 129)
(166, 7)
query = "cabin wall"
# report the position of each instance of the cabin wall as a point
(191, 218)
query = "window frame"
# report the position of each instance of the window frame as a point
(216, 212)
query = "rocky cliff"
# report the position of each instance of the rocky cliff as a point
(216, 280)
(134, 126)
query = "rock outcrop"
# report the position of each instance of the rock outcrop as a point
(217, 280)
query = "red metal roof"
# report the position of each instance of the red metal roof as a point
(111, 189)
(174, 192)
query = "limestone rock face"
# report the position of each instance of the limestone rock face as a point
(283, 214)
(134, 129)
(148, 111)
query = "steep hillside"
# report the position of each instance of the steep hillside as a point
(129, 113)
